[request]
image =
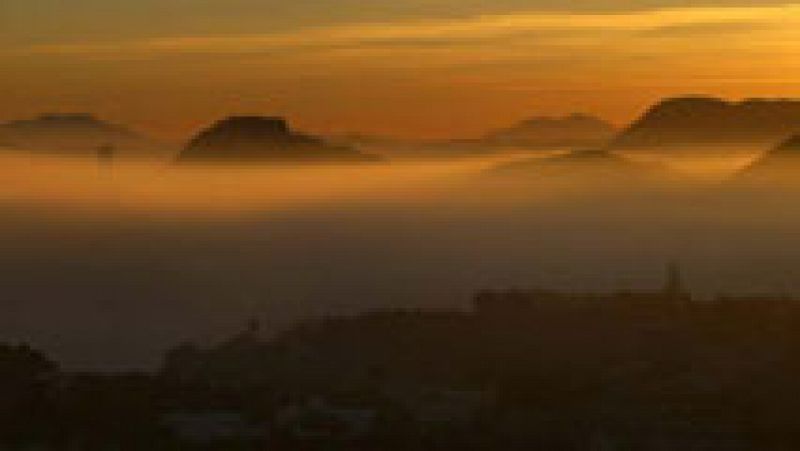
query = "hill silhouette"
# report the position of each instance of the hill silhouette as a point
(263, 139)
(578, 166)
(575, 130)
(685, 122)
(75, 134)
(782, 163)
(537, 133)
(788, 148)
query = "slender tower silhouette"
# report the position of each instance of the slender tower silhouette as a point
(253, 326)
(674, 288)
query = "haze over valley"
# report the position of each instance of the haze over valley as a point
(420, 225)
(106, 247)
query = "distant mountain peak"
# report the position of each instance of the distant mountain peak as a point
(75, 134)
(591, 165)
(262, 138)
(701, 120)
(256, 124)
(68, 117)
(573, 130)
(52, 121)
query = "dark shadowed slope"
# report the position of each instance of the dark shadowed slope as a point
(534, 134)
(411, 149)
(781, 164)
(576, 130)
(583, 166)
(263, 139)
(688, 122)
(77, 135)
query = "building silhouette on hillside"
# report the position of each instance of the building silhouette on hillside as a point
(673, 295)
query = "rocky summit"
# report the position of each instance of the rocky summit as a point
(263, 139)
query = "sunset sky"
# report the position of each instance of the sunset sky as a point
(413, 68)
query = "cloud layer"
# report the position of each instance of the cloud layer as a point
(674, 22)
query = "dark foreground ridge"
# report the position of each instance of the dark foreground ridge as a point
(263, 139)
(524, 369)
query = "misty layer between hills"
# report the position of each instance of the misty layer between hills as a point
(111, 263)
(111, 266)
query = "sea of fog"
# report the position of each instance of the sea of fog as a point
(109, 267)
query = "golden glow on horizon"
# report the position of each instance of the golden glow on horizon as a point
(430, 77)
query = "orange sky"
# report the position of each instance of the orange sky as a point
(438, 70)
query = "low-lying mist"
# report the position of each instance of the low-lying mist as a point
(109, 266)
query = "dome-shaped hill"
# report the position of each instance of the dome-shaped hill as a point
(263, 139)
(76, 134)
(575, 130)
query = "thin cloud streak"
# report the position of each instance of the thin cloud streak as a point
(477, 27)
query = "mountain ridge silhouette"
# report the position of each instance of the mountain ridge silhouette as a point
(263, 139)
(710, 121)
(780, 164)
(589, 165)
(573, 130)
(74, 134)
